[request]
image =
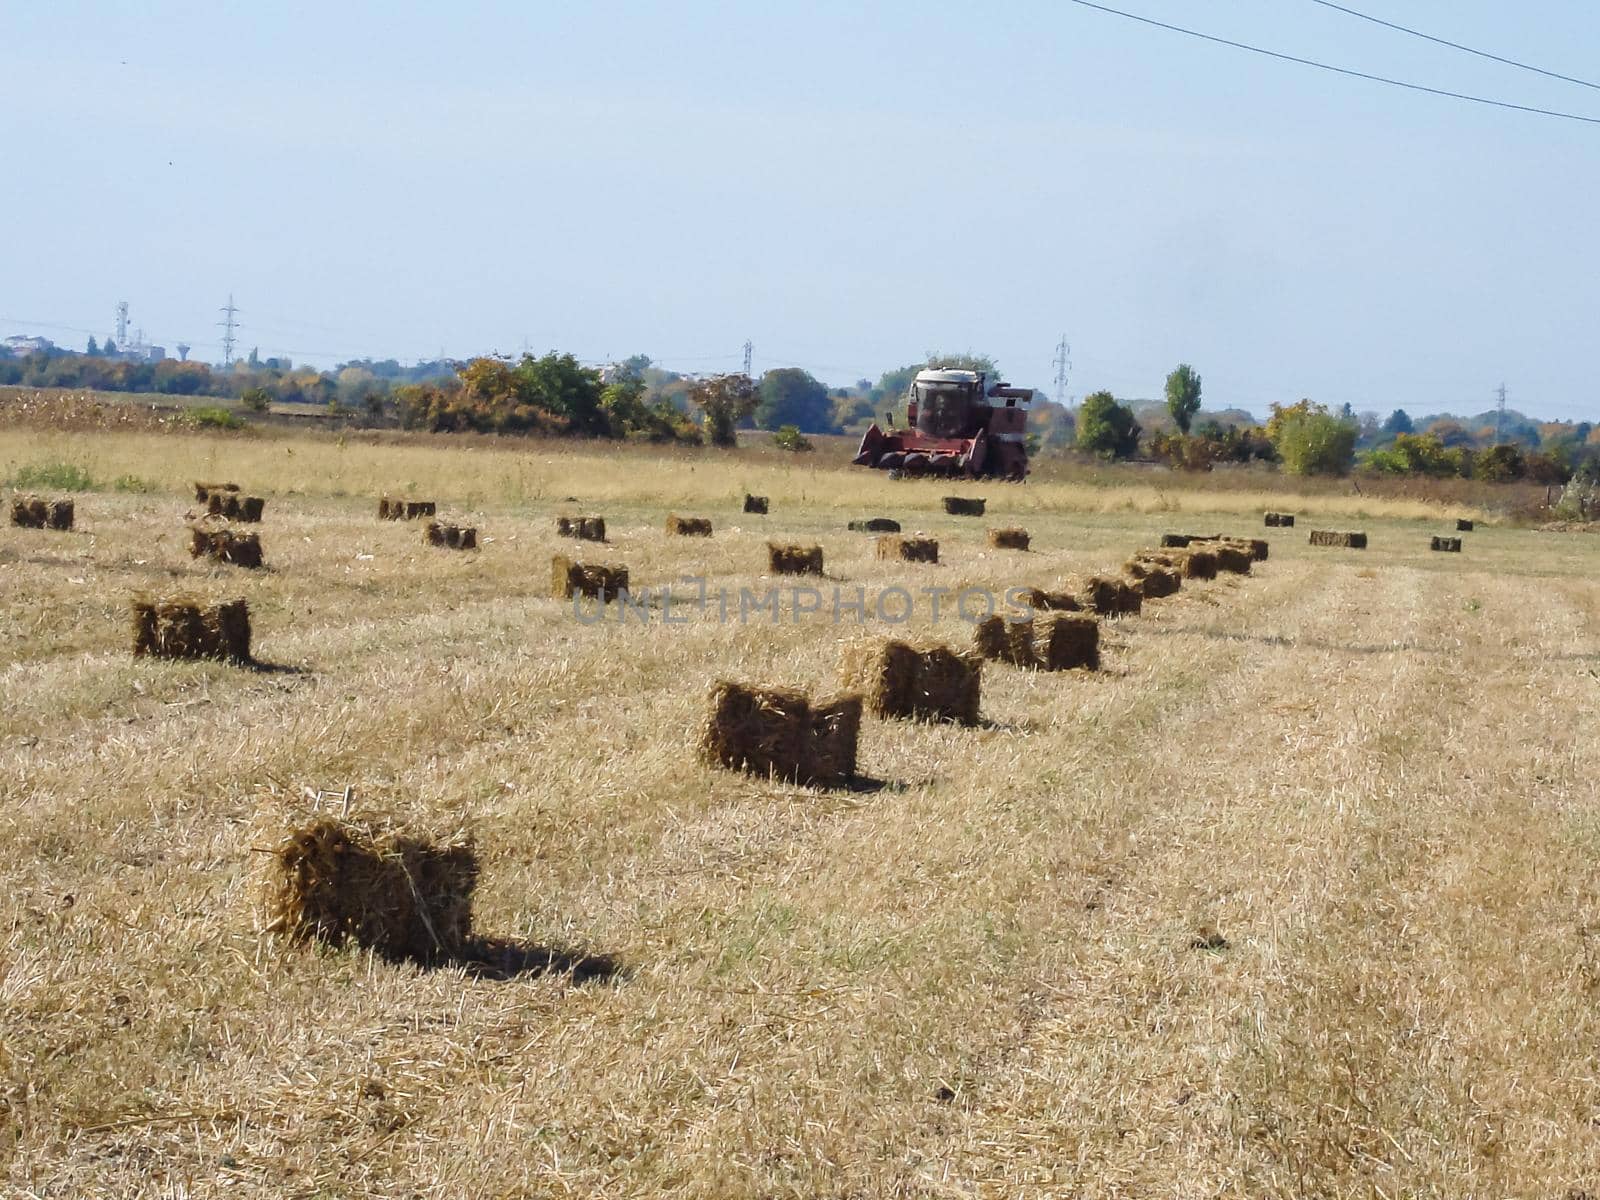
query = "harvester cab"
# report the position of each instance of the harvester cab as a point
(957, 424)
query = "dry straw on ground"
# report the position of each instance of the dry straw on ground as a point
(875, 525)
(1449, 544)
(963, 506)
(405, 510)
(568, 578)
(585, 529)
(225, 545)
(34, 512)
(1068, 641)
(180, 627)
(401, 891)
(777, 732)
(918, 683)
(1009, 641)
(453, 537)
(1008, 539)
(794, 560)
(894, 548)
(1349, 540)
(1280, 519)
(755, 504)
(688, 526)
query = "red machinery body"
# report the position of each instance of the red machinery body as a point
(957, 424)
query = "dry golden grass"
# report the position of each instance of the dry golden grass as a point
(1373, 775)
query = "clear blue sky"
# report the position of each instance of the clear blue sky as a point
(846, 184)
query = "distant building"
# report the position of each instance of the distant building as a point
(22, 345)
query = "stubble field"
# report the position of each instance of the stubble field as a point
(1372, 774)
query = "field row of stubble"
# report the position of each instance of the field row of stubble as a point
(1372, 773)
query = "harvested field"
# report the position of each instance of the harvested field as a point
(893, 548)
(688, 526)
(970, 972)
(225, 546)
(586, 529)
(916, 683)
(1008, 539)
(794, 560)
(34, 512)
(1328, 537)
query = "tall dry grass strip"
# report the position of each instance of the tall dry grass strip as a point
(776, 732)
(1069, 641)
(451, 537)
(688, 526)
(755, 504)
(963, 506)
(914, 683)
(585, 529)
(1008, 539)
(390, 509)
(1283, 519)
(999, 640)
(402, 892)
(225, 546)
(794, 560)
(35, 512)
(1347, 540)
(594, 580)
(1451, 545)
(875, 525)
(895, 548)
(183, 628)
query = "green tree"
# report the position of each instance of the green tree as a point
(1107, 428)
(790, 396)
(1399, 422)
(93, 348)
(1504, 463)
(1312, 441)
(256, 399)
(254, 360)
(790, 438)
(725, 400)
(1183, 395)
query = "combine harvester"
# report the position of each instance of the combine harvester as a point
(958, 425)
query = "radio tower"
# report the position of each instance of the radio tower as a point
(1063, 364)
(747, 348)
(1500, 414)
(228, 325)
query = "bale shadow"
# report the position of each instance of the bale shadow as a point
(259, 666)
(505, 959)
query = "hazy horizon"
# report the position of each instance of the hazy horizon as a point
(846, 188)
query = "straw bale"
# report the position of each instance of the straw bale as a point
(794, 560)
(1280, 518)
(1233, 557)
(453, 537)
(1046, 601)
(918, 683)
(586, 529)
(1449, 544)
(1108, 596)
(225, 545)
(180, 627)
(875, 525)
(1463, 525)
(35, 512)
(1000, 640)
(1153, 581)
(1348, 540)
(755, 504)
(204, 491)
(908, 549)
(688, 526)
(399, 890)
(570, 578)
(770, 731)
(1199, 564)
(963, 506)
(835, 733)
(1008, 539)
(1069, 641)
(1177, 541)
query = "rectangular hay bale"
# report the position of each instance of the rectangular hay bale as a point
(453, 537)
(183, 628)
(1008, 539)
(595, 580)
(794, 560)
(1108, 596)
(1347, 540)
(908, 549)
(917, 683)
(1009, 641)
(963, 506)
(1451, 545)
(1042, 600)
(585, 529)
(225, 546)
(776, 732)
(875, 525)
(1070, 641)
(688, 526)
(35, 512)
(1285, 520)
(755, 504)
(396, 890)
(1463, 525)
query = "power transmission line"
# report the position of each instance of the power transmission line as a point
(228, 326)
(1428, 37)
(1322, 66)
(1063, 364)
